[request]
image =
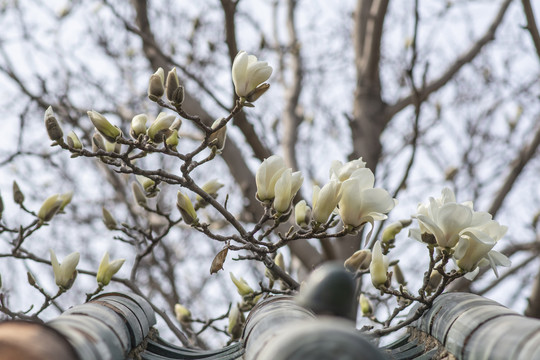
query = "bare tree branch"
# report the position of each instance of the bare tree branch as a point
(453, 69)
(231, 153)
(291, 119)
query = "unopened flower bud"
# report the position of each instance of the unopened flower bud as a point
(390, 232)
(31, 278)
(149, 186)
(108, 269)
(160, 127)
(182, 313)
(73, 141)
(177, 123)
(257, 92)
(65, 273)
(217, 138)
(138, 125)
(110, 132)
(211, 188)
(435, 279)
(360, 260)
(185, 206)
(53, 127)
(379, 266)
(302, 214)
(66, 199)
(108, 219)
(172, 140)
(365, 306)
(398, 275)
(236, 322)
(156, 87)
(279, 260)
(241, 285)
(98, 142)
(18, 196)
(50, 207)
(178, 96)
(138, 194)
(172, 84)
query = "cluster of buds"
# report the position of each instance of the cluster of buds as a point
(158, 86)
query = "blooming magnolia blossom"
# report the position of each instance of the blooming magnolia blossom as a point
(342, 172)
(65, 272)
(360, 202)
(267, 175)
(248, 73)
(471, 234)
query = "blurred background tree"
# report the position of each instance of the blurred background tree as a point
(429, 94)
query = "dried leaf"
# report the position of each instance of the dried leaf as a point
(217, 263)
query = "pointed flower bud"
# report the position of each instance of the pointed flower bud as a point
(184, 204)
(53, 127)
(66, 199)
(241, 285)
(108, 269)
(172, 85)
(217, 138)
(172, 140)
(267, 175)
(50, 207)
(73, 141)
(365, 306)
(325, 200)
(149, 186)
(182, 313)
(279, 260)
(390, 232)
(156, 87)
(360, 260)
(159, 129)
(212, 187)
(98, 142)
(285, 190)
(138, 125)
(248, 74)
(138, 194)
(398, 275)
(65, 273)
(236, 322)
(379, 266)
(18, 196)
(108, 219)
(302, 214)
(110, 132)
(257, 92)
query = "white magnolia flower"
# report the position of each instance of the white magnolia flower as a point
(267, 175)
(286, 188)
(342, 172)
(248, 73)
(360, 202)
(378, 267)
(325, 200)
(474, 248)
(65, 273)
